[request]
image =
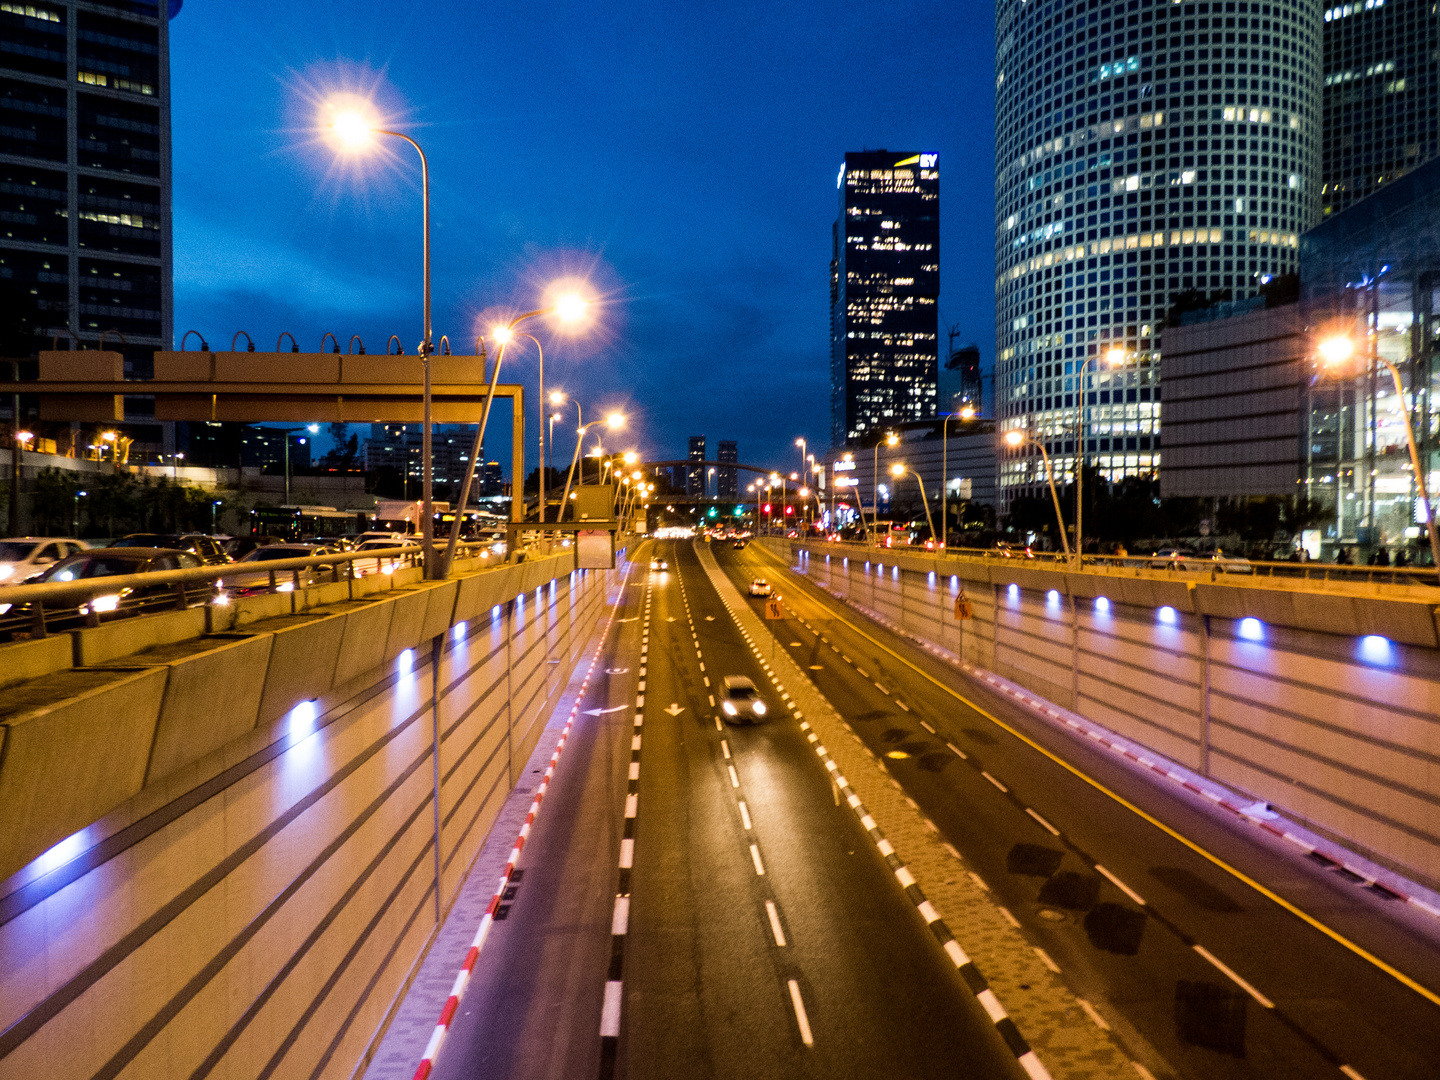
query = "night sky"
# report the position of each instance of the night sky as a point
(682, 156)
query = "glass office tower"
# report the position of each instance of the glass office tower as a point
(884, 287)
(1142, 149)
(85, 173)
(1382, 95)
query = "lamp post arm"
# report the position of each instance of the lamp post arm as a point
(540, 470)
(475, 454)
(1420, 480)
(925, 499)
(574, 460)
(1059, 517)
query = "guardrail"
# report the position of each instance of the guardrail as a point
(1186, 569)
(87, 597)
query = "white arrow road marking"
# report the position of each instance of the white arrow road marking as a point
(602, 712)
(670, 619)
(613, 670)
(631, 619)
(675, 709)
(709, 618)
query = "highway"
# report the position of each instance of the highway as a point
(757, 932)
(1199, 974)
(696, 901)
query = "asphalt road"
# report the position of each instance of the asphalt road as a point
(758, 934)
(1200, 975)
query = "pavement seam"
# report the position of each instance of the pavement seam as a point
(1103, 1059)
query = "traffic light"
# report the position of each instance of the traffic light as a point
(789, 509)
(739, 511)
(713, 511)
(767, 508)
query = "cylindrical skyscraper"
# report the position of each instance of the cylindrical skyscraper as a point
(1144, 150)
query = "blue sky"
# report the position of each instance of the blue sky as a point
(682, 155)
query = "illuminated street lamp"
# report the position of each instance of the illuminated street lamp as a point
(1017, 439)
(354, 127)
(614, 422)
(967, 413)
(891, 440)
(898, 471)
(1113, 358)
(1334, 352)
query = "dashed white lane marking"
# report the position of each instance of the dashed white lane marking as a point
(707, 678)
(861, 672)
(620, 920)
(775, 927)
(1145, 1074)
(881, 688)
(755, 855)
(1236, 979)
(631, 805)
(957, 751)
(1351, 1073)
(906, 708)
(1131, 893)
(1011, 919)
(634, 770)
(734, 780)
(979, 881)
(800, 1018)
(745, 815)
(712, 700)
(718, 726)
(1093, 1014)
(992, 780)
(1043, 823)
(725, 748)
(1045, 959)
(610, 1011)
(927, 727)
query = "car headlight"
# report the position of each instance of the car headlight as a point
(285, 586)
(6, 569)
(759, 708)
(105, 603)
(729, 708)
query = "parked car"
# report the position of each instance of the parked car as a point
(203, 547)
(1173, 559)
(740, 699)
(382, 566)
(99, 563)
(237, 547)
(248, 582)
(23, 557)
(1231, 564)
(760, 587)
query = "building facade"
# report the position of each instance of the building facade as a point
(399, 446)
(884, 290)
(695, 474)
(1382, 95)
(85, 249)
(727, 477)
(1143, 150)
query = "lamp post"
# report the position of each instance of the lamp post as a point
(967, 413)
(890, 440)
(312, 428)
(540, 468)
(899, 471)
(75, 517)
(613, 421)
(1114, 358)
(355, 132)
(1334, 352)
(1019, 438)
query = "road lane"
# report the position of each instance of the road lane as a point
(1052, 884)
(728, 865)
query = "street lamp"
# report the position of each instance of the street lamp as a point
(967, 413)
(898, 471)
(1019, 438)
(1114, 358)
(287, 432)
(614, 421)
(1334, 352)
(891, 440)
(354, 130)
(75, 521)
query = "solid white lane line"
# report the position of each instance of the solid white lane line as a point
(755, 855)
(620, 920)
(1043, 823)
(725, 749)
(610, 1011)
(734, 780)
(1236, 979)
(1045, 959)
(775, 927)
(1121, 885)
(992, 780)
(800, 1018)
(745, 815)
(1093, 1014)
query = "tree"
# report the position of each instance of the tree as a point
(53, 502)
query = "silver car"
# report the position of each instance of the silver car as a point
(740, 700)
(23, 557)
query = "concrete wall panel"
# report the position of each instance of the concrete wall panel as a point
(439, 609)
(126, 637)
(367, 631)
(302, 664)
(210, 699)
(407, 619)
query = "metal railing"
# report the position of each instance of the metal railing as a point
(86, 598)
(1186, 568)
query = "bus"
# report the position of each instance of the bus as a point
(296, 522)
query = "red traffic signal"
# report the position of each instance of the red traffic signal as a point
(789, 509)
(767, 508)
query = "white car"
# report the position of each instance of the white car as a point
(760, 587)
(23, 557)
(740, 699)
(659, 564)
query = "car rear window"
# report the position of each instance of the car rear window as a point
(13, 551)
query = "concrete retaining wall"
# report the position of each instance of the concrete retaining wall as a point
(255, 872)
(1240, 682)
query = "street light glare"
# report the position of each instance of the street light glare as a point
(897, 470)
(967, 413)
(1337, 349)
(615, 420)
(631, 457)
(571, 307)
(892, 439)
(502, 334)
(1014, 438)
(1116, 356)
(557, 397)
(351, 122)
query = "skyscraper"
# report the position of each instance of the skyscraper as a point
(1142, 150)
(695, 474)
(727, 479)
(1382, 95)
(884, 285)
(85, 172)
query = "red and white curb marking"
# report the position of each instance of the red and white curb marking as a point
(462, 977)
